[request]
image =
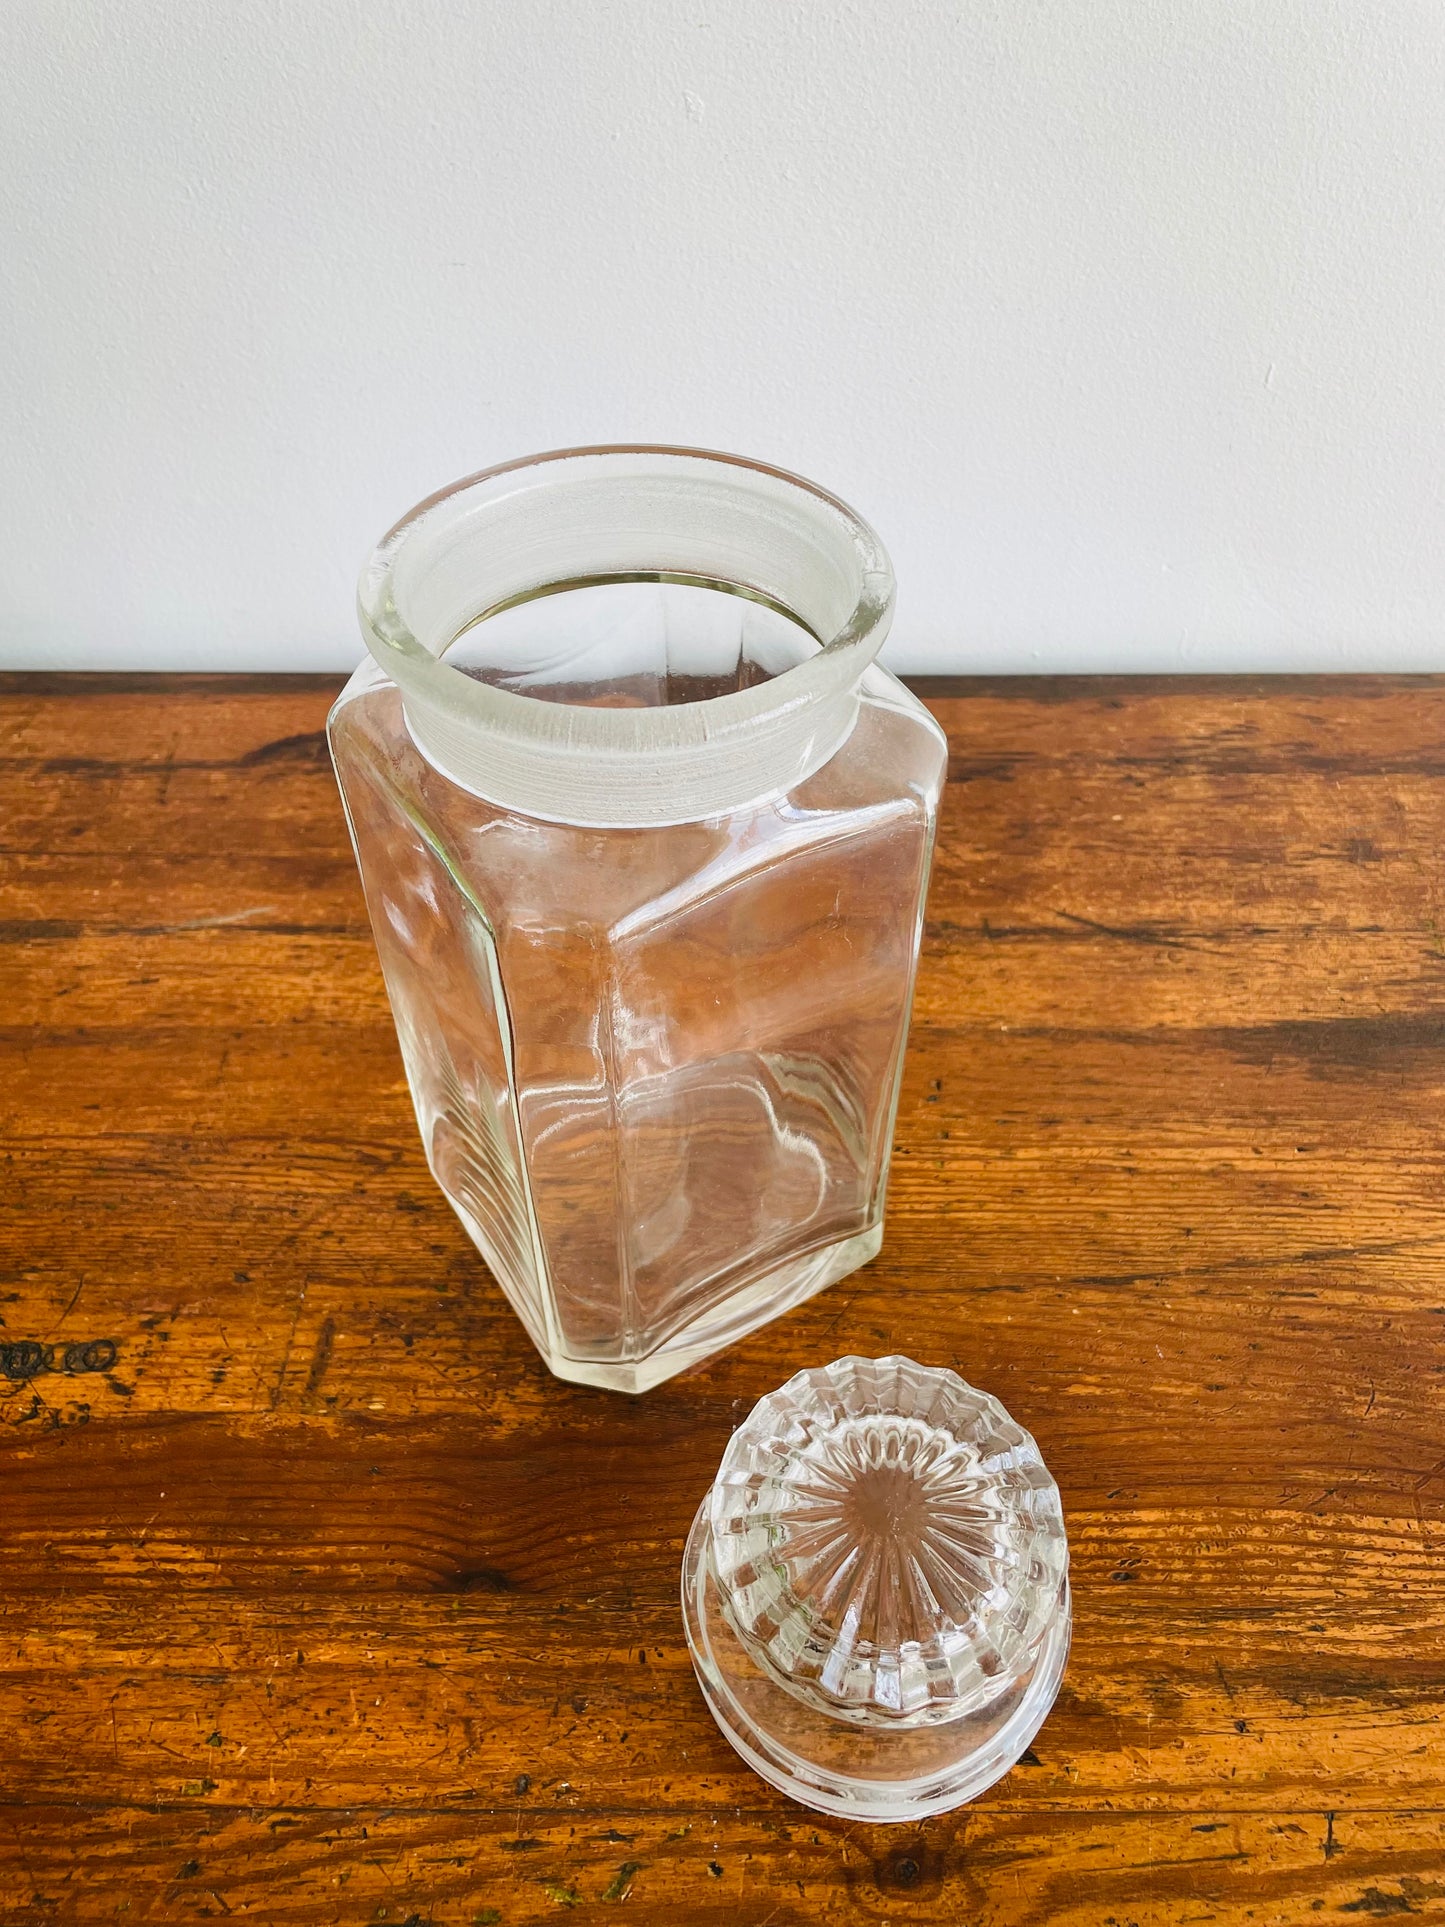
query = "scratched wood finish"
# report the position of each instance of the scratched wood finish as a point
(321, 1602)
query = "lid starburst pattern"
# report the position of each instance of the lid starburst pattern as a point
(888, 1542)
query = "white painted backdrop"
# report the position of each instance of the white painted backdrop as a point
(1123, 321)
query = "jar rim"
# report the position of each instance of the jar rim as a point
(428, 682)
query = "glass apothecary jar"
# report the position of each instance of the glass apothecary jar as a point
(645, 836)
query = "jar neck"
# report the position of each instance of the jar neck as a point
(509, 535)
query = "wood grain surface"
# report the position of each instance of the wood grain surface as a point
(321, 1602)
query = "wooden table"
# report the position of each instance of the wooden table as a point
(321, 1601)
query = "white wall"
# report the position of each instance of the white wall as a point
(1121, 320)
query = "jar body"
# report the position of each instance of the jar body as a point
(655, 1067)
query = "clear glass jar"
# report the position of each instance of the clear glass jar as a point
(645, 837)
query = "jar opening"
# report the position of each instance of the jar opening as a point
(645, 640)
(760, 699)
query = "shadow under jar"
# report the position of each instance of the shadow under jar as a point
(645, 836)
